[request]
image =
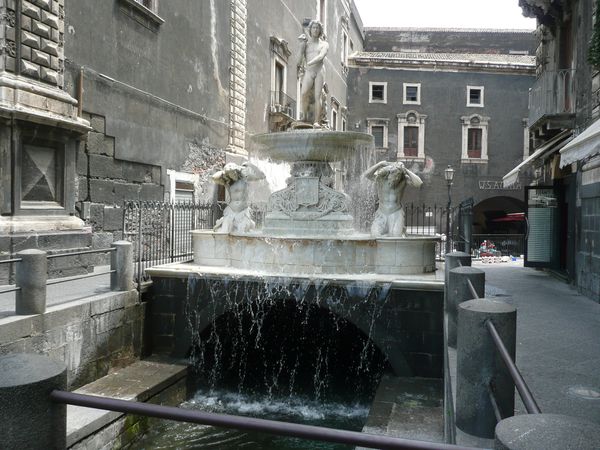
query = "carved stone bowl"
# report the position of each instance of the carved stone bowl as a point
(310, 145)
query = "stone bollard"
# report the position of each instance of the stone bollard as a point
(121, 261)
(29, 418)
(546, 432)
(458, 291)
(451, 261)
(31, 276)
(479, 365)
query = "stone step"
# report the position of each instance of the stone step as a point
(154, 380)
(409, 408)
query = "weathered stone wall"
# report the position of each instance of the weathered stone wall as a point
(587, 260)
(407, 326)
(92, 336)
(444, 102)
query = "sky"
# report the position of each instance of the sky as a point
(443, 14)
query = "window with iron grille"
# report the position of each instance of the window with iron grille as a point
(377, 92)
(412, 93)
(475, 96)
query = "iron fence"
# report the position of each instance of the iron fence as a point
(552, 94)
(160, 231)
(283, 103)
(506, 244)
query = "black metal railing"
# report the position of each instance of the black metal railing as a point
(309, 432)
(552, 94)
(527, 398)
(505, 244)
(160, 231)
(281, 103)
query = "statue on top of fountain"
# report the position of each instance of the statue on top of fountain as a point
(236, 217)
(311, 72)
(391, 179)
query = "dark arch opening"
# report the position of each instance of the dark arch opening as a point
(288, 348)
(486, 215)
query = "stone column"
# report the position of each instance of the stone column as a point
(30, 420)
(479, 365)
(31, 276)
(547, 431)
(458, 291)
(121, 261)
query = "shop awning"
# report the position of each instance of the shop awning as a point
(553, 145)
(583, 146)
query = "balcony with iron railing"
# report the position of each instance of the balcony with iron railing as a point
(281, 103)
(553, 96)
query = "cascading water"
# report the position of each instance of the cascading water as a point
(296, 316)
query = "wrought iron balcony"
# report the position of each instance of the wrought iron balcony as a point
(552, 96)
(281, 103)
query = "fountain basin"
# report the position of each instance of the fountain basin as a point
(310, 145)
(354, 254)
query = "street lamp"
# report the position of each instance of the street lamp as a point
(449, 176)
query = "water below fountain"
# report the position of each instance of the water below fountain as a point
(178, 435)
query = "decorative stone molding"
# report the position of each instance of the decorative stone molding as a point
(478, 122)
(237, 77)
(280, 47)
(411, 118)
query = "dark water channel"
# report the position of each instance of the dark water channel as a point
(174, 435)
(279, 360)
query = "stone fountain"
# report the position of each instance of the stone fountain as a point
(307, 251)
(308, 228)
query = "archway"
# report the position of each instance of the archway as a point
(499, 226)
(287, 348)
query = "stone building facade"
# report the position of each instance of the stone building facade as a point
(142, 100)
(564, 194)
(435, 97)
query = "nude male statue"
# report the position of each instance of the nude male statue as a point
(311, 70)
(235, 178)
(391, 179)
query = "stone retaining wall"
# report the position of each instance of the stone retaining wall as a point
(92, 336)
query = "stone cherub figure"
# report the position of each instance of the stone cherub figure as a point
(391, 179)
(236, 217)
(311, 71)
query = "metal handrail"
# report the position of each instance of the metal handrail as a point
(526, 396)
(78, 277)
(10, 261)
(6, 291)
(524, 392)
(309, 432)
(83, 252)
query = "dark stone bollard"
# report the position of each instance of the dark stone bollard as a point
(479, 364)
(30, 420)
(458, 292)
(546, 432)
(121, 261)
(31, 276)
(451, 261)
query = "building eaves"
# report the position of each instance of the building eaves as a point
(451, 30)
(454, 61)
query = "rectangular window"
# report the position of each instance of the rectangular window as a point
(412, 94)
(146, 3)
(475, 96)
(411, 141)
(334, 119)
(377, 92)
(344, 48)
(474, 142)
(377, 132)
(343, 124)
